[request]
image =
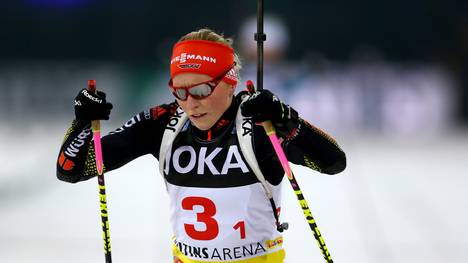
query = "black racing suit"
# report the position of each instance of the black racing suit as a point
(207, 169)
(142, 134)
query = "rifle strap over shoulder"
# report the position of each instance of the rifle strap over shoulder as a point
(176, 123)
(244, 130)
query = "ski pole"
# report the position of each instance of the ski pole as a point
(271, 133)
(96, 128)
(260, 37)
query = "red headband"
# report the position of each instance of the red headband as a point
(203, 57)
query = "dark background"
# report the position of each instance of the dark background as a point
(139, 33)
(130, 31)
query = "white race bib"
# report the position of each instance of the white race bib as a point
(221, 224)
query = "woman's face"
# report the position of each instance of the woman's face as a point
(204, 113)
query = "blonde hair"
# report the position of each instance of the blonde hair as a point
(210, 35)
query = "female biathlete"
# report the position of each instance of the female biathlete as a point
(219, 209)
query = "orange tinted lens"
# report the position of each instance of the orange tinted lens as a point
(180, 93)
(200, 91)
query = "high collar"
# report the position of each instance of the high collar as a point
(220, 126)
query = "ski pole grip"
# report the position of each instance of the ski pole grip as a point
(92, 85)
(267, 125)
(95, 125)
(250, 86)
(269, 129)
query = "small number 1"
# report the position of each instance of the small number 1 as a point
(240, 225)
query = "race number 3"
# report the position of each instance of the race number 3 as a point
(209, 210)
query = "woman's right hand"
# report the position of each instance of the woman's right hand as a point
(91, 106)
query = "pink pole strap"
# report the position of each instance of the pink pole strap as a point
(282, 157)
(98, 151)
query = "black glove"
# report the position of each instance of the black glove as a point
(264, 105)
(90, 106)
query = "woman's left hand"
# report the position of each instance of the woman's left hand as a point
(264, 105)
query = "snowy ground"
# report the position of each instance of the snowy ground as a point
(398, 201)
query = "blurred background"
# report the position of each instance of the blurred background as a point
(388, 79)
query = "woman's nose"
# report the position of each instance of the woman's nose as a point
(192, 103)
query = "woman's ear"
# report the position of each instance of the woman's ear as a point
(232, 88)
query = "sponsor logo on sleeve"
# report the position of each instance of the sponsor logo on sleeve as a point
(128, 124)
(65, 163)
(75, 146)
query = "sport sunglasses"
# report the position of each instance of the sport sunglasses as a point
(197, 91)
